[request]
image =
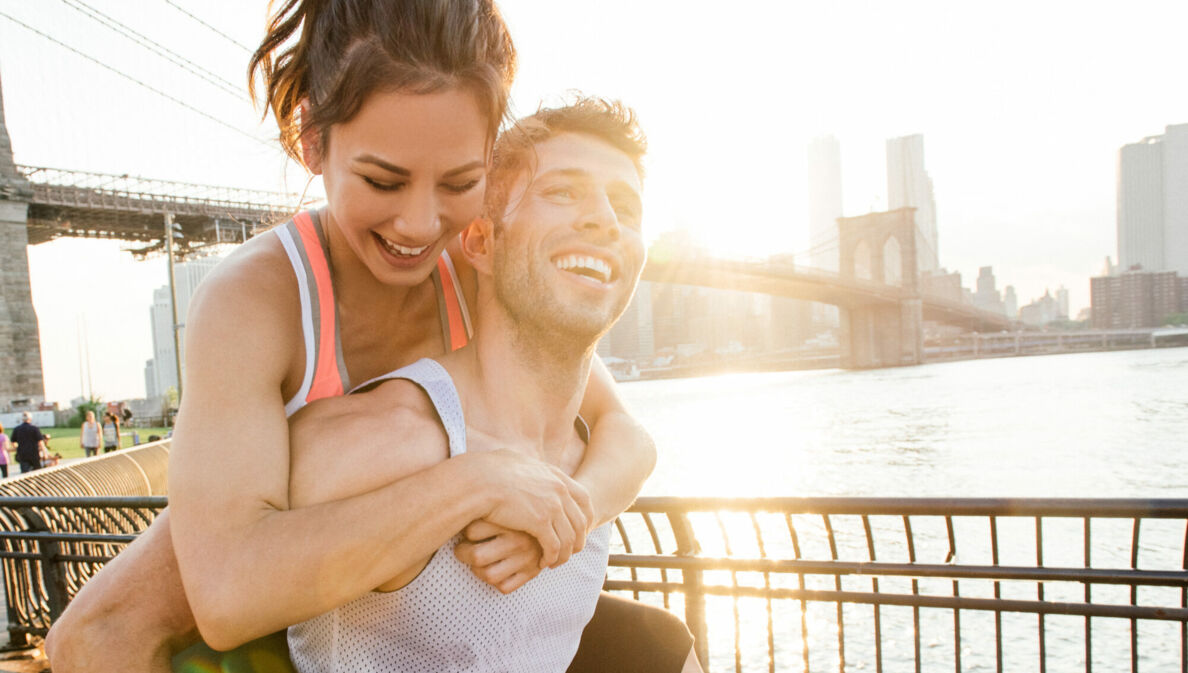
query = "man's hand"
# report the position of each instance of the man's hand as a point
(505, 559)
(538, 499)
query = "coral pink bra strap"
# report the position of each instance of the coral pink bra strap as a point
(456, 318)
(327, 381)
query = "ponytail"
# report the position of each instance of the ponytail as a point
(345, 50)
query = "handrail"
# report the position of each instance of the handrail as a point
(821, 583)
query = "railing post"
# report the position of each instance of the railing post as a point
(692, 580)
(52, 575)
(16, 637)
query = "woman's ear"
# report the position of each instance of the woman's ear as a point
(311, 142)
(478, 240)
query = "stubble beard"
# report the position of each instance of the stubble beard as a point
(537, 313)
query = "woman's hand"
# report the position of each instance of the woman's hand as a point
(505, 559)
(538, 499)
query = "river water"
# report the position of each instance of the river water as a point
(1111, 424)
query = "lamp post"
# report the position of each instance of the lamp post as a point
(173, 303)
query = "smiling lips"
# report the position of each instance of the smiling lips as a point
(585, 265)
(400, 250)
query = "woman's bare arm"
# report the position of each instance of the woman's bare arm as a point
(251, 566)
(618, 460)
(620, 454)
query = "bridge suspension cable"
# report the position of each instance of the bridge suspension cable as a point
(155, 47)
(136, 81)
(209, 27)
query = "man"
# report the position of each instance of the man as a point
(29, 443)
(558, 258)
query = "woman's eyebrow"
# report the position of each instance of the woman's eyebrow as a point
(464, 168)
(400, 170)
(387, 166)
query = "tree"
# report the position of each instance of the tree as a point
(94, 404)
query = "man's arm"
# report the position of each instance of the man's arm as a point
(131, 617)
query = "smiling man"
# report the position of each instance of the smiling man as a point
(557, 259)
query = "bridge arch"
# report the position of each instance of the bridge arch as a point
(880, 247)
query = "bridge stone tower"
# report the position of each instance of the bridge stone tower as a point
(20, 340)
(881, 248)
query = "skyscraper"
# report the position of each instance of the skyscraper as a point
(160, 373)
(1153, 202)
(908, 184)
(824, 201)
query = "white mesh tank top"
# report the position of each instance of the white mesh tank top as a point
(447, 619)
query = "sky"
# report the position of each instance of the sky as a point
(1023, 107)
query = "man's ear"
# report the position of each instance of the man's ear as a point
(311, 141)
(478, 245)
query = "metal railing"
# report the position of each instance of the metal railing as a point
(805, 584)
(818, 584)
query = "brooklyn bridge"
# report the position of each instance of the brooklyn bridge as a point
(877, 288)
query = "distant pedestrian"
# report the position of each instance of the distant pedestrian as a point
(89, 437)
(111, 432)
(5, 447)
(29, 443)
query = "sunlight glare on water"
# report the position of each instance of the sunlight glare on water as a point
(1083, 425)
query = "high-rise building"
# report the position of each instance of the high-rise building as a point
(160, 373)
(1136, 299)
(824, 201)
(633, 336)
(1010, 302)
(986, 297)
(908, 185)
(1153, 203)
(1062, 303)
(1040, 312)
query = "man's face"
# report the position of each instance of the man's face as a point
(569, 250)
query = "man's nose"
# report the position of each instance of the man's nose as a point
(600, 216)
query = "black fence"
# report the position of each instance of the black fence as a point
(802, 584)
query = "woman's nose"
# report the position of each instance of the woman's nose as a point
(418, 221)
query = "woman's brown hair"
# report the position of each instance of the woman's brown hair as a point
(346, 50)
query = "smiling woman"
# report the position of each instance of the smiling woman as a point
(396, 103)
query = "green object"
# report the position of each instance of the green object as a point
(269, 654)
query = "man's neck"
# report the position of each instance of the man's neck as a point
(521, 388)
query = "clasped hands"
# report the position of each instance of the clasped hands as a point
(541, 517)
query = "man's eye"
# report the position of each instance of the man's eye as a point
(562, 193)
(461, 188)
(383, 186)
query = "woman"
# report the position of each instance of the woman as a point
(111, 432)
(5, 447)
(88, 436)
(396, 105)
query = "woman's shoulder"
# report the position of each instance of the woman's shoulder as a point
(253, 291)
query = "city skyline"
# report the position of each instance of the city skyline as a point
(1022, 142)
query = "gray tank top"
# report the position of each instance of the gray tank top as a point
(447, 619)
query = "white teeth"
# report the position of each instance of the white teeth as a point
(401, 250)
(590, 266)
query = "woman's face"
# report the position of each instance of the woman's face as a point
(90, 417)
(403, 177)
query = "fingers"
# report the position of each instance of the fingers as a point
(566, 534)
(510, 573)
(487, 552)
(481, 530)
(515, 582)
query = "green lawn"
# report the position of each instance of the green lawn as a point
(65, 440)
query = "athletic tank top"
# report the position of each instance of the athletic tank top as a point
(447, 619)
(304, 240)
(90, 434)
